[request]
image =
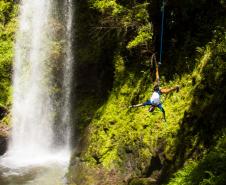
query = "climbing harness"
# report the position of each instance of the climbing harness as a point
(162, 30)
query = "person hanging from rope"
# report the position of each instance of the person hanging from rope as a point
(154, 100)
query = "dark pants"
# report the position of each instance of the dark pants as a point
(152, 107)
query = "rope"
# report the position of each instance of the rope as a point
(162, 31)
(153, 57)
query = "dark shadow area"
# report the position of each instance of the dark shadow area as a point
(155, 165)
(212, 168)
(3, 144)
(187, 25)
(93, 68)
(204, 123)
(3, 112)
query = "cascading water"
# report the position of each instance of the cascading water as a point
(42, 85)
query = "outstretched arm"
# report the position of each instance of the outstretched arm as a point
(156, 73)
(154, 61)
(168, 90)
(138, 105)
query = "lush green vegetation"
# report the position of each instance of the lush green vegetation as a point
(126, 17)
(8, 12)
(133, 146)
(209, 171)
(127, 139)
(120, 145)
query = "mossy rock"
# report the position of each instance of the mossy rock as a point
(142, 181)
(83, 174)
(3, 144)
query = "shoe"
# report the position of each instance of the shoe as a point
(151, 109)
(164, 120)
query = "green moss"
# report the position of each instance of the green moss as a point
(117, 131)
(7, 120)
(127, 140)
(145, 34)
(8, 26)
(209, 171)
(210, 167)
(130, 18)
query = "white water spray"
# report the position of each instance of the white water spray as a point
(41, 100)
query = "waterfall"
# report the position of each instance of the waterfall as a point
(42, 80)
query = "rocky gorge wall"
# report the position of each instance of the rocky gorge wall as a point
(119, 145)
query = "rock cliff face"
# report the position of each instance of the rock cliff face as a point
(122, 146)
(3, 144)
(4, 130)
(93, 75)
(8, 24)
(3, 112)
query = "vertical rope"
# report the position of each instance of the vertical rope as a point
(162, 30)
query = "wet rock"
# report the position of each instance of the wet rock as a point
(81, 173)
(142, 181)
(3, 144)
(4, 129)
(3, 112)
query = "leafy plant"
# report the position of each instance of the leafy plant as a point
(8, 25)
